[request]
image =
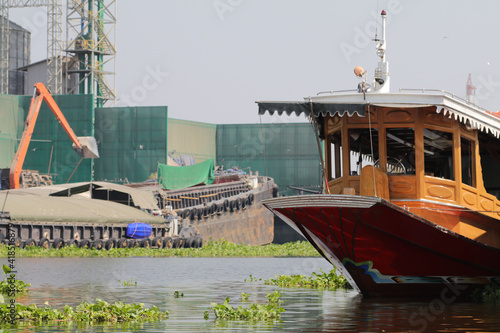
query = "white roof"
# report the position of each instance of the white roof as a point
(446, 103)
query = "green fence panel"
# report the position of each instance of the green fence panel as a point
(289, 151)
(133, 140)
(50, 149)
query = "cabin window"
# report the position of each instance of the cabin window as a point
(400, 151)
(336, 155)
(467, 155)
(361, 145)
(489, 152)
(438, 154)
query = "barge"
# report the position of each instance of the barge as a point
(97, 214)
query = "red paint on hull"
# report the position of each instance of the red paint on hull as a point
(409, 256)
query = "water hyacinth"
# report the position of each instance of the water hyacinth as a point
(89, 313)
(219, 248)
(489, 294)
(254, 312)
(318, 281)
(12, 286)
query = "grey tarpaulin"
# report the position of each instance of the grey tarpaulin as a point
(319, 109)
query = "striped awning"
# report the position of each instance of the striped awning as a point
(318, 109)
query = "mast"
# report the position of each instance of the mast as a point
(381, 81)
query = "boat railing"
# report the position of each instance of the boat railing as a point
(336, 91)
(443, 92)
(422, 91)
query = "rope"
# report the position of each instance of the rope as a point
(134, 230)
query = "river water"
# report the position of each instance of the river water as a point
(70, 281)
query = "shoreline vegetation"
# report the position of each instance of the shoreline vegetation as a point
(220, 248)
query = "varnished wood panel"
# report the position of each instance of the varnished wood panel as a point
(399, 116)
(363, 120)
(469, 198)
(440, 189)
(335, 186)
(403, 187)
(332, 124)
(486, 203)
(433, 118)
(354, 183)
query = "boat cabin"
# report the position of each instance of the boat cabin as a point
(425, 154)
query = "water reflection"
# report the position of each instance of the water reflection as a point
(71, 281)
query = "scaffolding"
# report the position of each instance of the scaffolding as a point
(54, 41)
(91, 30)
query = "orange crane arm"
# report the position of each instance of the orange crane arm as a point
(41, 94)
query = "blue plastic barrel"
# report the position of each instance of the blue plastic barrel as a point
(139, 230)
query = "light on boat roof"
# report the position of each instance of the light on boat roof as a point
(359, 71)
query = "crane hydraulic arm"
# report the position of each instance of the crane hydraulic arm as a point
(84, 146)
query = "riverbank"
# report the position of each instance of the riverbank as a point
(211, 249)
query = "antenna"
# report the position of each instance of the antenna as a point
(381, 82)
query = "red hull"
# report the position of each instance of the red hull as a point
(387, 251)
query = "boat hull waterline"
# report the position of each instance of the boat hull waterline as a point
(385, 250)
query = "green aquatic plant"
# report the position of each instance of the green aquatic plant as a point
(245, 297)
(488, 294)
(89, 313)
(253, 279)
(255, 312)
(221, 248)
(318, 281)
(11, 286)
(129, 283)
(178, 294)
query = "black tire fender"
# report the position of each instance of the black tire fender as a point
(167, 242)
(122, 243)
(193, 214)
(84, 243)
(190, 242)
(30, 242)
(132, 243)
(97, 244)
(110, 243)
(18, 242)
(198, 242)
(215, 207)
(146, 243)
(58, 243)
(157, 242)
(176, 243)
(44, 242)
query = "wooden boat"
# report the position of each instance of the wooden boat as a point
(411, 204)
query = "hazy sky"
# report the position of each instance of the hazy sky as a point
(210, 60)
